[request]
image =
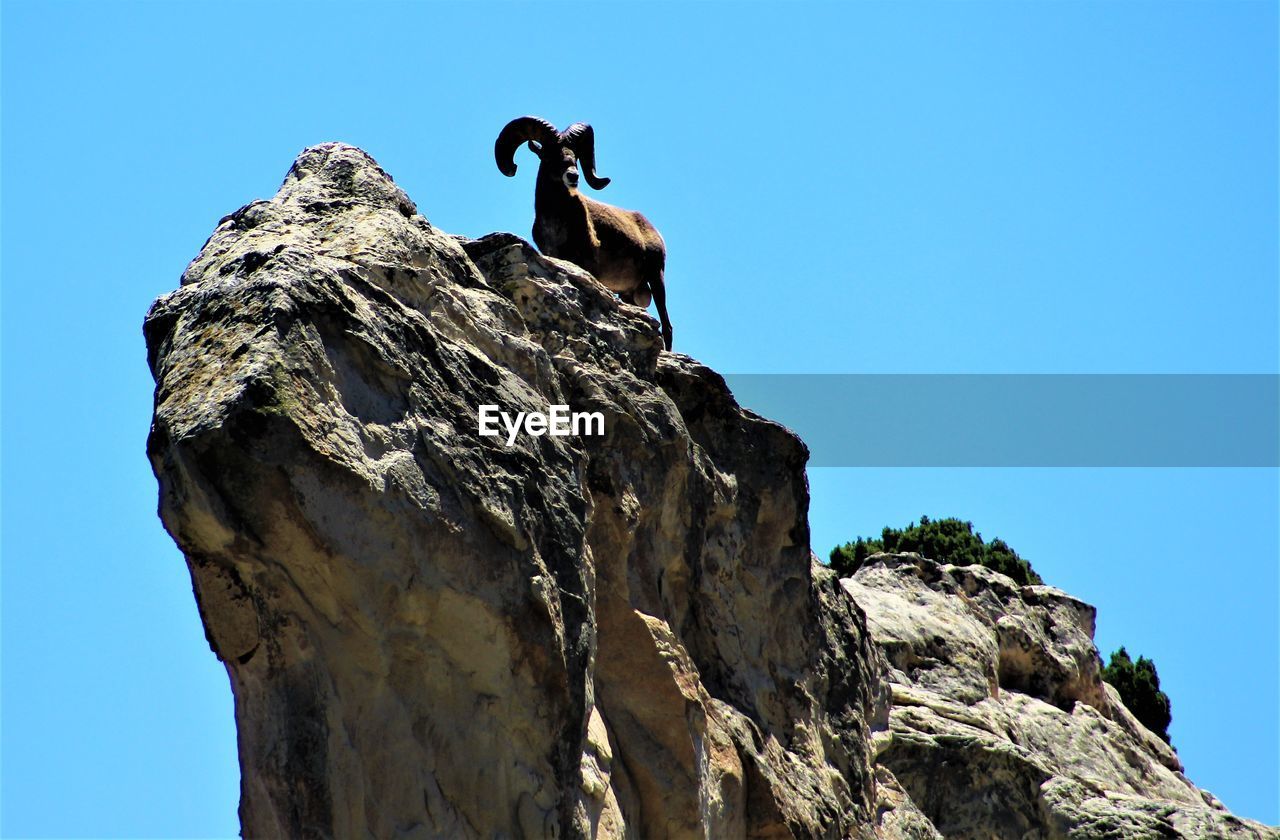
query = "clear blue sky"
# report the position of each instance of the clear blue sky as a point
(957, 187)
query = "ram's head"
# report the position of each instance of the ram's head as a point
(560, 151)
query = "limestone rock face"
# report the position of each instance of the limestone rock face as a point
(433, 634)
(1000, 724)
(430, 633)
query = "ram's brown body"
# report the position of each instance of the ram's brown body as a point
(620, 247)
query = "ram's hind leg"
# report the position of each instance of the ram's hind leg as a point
(658, 286)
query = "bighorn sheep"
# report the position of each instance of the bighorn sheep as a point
(620, 247)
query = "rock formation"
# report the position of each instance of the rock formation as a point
(430, 633)
(1000, 725)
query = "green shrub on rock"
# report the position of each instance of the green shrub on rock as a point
(1139, 688)
(944, 540)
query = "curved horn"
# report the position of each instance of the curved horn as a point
(518, 131)
(582, 139)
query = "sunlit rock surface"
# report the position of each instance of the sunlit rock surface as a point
(431, 634)
(1000, 724)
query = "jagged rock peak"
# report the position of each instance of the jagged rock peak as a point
(432, 633)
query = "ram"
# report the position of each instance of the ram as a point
(620, 247)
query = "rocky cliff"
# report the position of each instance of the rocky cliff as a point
(432, 633)
(1000, 725)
